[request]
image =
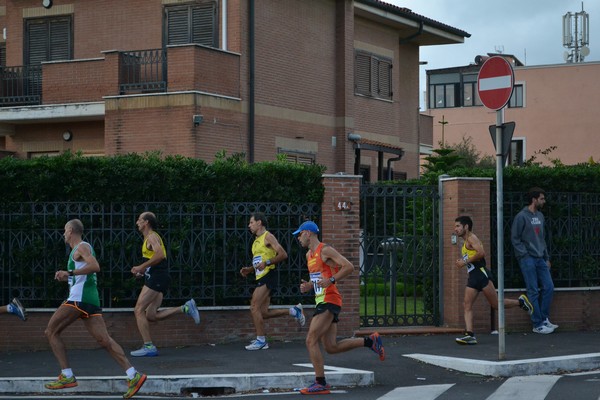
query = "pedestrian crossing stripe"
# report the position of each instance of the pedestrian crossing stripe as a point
(426, 392)
(533, 387)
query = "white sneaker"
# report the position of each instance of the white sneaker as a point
(299, 314)
(550, 324)
(257, 345)
(543, 329)
(192, 310)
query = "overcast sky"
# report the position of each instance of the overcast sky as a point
(529, 29)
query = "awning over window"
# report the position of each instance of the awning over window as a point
(381, 148)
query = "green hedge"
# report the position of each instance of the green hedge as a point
(583, 178)
(152, 177)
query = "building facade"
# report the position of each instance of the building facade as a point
(551, 106)
(333, 82)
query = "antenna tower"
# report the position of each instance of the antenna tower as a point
(576, 36)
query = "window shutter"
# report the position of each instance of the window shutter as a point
(363, 74)
(38, 42)
(60, 40)
(203, 24)
(177, 25)
(48, 40)
(195, 23)
(384, 88)
(2, 54)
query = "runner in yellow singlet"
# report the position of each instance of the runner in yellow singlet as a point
(473, 259)
(266, 254)
(157, 279)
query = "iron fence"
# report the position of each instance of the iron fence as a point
(573, 229)
(399, 256)
(20, 85)
(207, 244)
(143, 71)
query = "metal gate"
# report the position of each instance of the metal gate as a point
(399, 255)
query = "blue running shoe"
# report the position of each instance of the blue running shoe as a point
(16, 308)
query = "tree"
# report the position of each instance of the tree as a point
(471, 157)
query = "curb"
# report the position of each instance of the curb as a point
(536, 366)
(178, 384)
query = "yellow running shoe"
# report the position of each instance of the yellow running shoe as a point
(62, 383)
(135, 384)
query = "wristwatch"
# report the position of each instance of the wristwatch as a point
(332, 280)
(268, 262)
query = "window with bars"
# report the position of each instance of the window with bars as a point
(192, 23)
(48, 39)
(372, 75)
(298, 157)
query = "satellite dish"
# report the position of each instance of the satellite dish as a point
(566, 55)
(585, 51)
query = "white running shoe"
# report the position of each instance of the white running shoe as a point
(192, 310)
(257, 345)
(299, 314)
(145, 351)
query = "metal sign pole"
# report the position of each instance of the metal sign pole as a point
(500, 231)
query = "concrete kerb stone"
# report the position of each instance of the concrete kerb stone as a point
(174, 384)
(537, 366)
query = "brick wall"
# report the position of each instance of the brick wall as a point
(81, 81)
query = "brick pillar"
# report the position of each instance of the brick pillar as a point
(471, 197)
(340, 228)
(112, 68)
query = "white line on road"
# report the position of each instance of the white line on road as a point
(535, 387)
(429, 392)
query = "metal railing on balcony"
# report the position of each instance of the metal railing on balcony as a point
(143, 71)
(20, 85)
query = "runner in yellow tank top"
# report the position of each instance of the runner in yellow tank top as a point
(266, 254)
(473, 259)
(156, 273)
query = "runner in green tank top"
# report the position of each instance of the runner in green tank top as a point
(83, 303)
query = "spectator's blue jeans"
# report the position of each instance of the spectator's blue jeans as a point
(540, 288)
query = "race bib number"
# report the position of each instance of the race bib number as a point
(315, 278)
(470, 267)
(255, 263)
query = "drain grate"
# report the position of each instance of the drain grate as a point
(207, 391)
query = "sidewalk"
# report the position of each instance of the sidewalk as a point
(286, 364)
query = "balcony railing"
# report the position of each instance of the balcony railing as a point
(143, 71)
(20, 85)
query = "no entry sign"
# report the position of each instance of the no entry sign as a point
(495, 82)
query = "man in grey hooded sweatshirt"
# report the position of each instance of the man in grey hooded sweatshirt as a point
(528, 240)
